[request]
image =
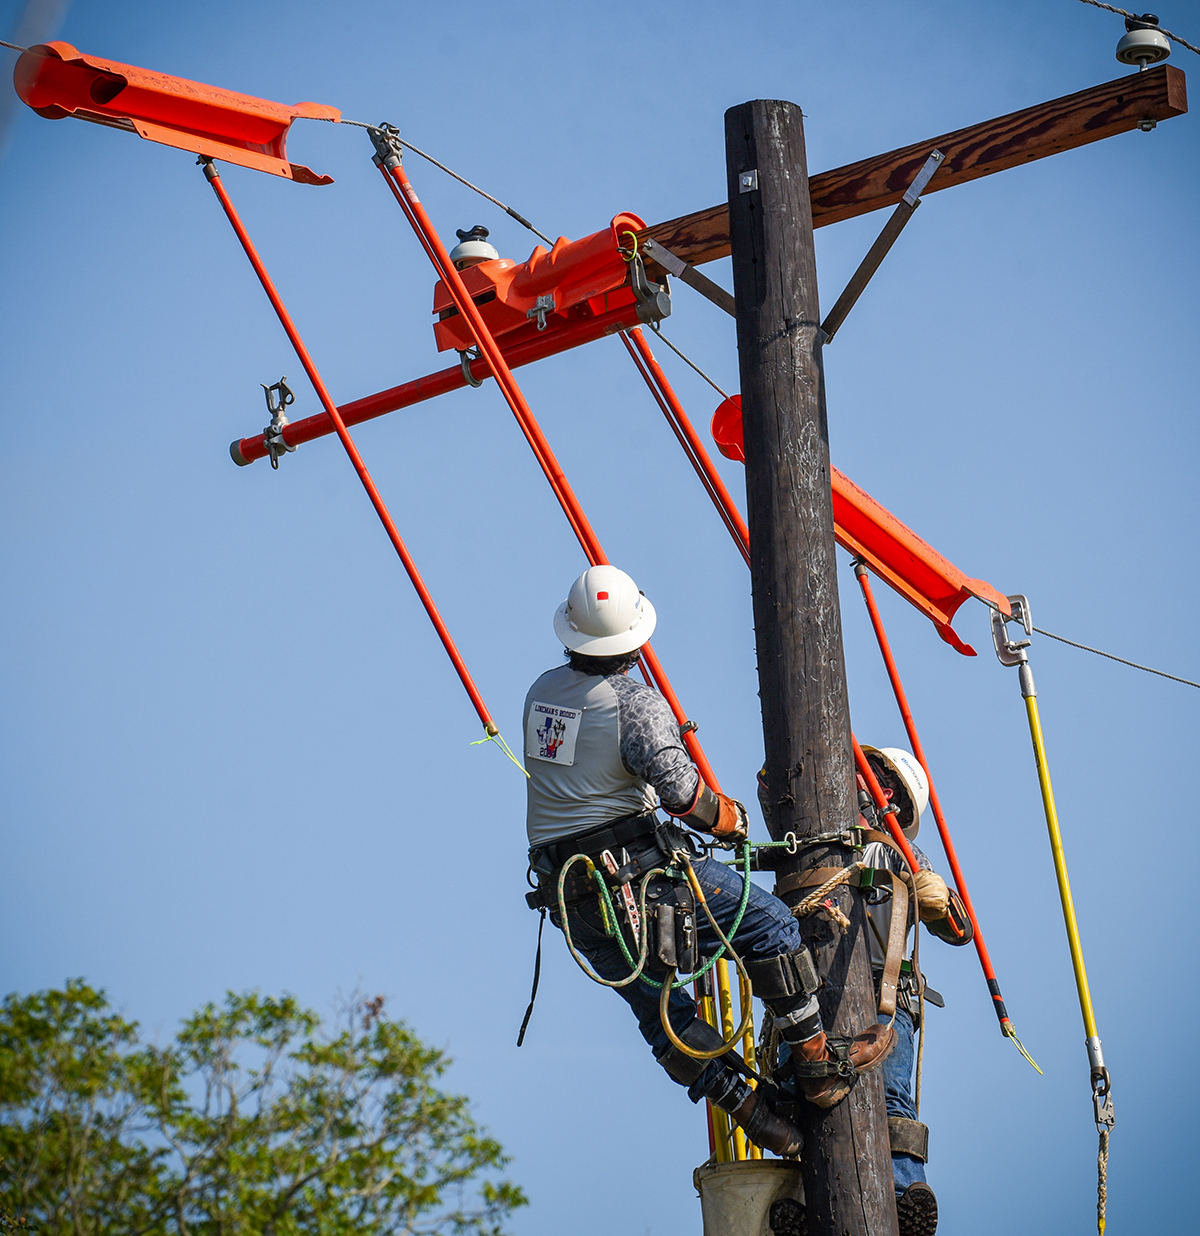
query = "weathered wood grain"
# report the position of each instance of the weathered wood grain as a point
(979, 150)
(798, 629)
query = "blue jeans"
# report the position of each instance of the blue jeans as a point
(767, 929)
(897, 1087)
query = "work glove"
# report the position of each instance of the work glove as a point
(933, 895)
(733, 824)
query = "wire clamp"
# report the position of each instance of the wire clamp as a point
(388, 149)
(466, 356)
(653, 299)
(279, 396)
(1012, 652)
(544, 306)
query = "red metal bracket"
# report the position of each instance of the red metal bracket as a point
(57, 81)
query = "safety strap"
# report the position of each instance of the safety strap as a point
(537, 978)
(813, 877)
(895, 945)
(839, 1066)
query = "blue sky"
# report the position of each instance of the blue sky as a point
(233, 753)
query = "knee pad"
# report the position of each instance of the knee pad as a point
(784, 977)
(684, 1068)
(909, 1137)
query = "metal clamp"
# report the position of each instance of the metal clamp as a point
(388, 149)
(279, 396)
(1012, 652)
(653, 299)
(466, 356)
(544, 306)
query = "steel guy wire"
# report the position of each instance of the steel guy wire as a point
(687, 360)
(1136, 17)
(508, 210)
(13, 46)
(1187, 682)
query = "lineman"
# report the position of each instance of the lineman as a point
(603, 752)
(906, 786)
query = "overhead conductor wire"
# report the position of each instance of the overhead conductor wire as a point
(1134, 16)
(285, 319)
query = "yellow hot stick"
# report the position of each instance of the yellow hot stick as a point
(728, 1026)
(720, 1119)
(1060, 863)
(746, 997)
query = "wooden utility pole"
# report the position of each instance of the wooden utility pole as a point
(801, 666)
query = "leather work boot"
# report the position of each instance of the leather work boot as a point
(843, 1059)
(916, 1208)
(765, 1127)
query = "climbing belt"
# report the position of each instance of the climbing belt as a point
(490, 728)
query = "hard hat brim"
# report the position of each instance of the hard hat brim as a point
(915, 827)
(605, 645)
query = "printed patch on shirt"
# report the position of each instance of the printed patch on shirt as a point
(551, 731)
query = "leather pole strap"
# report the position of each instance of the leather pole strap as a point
(814, 877)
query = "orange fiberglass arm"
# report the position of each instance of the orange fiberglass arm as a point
(58, 81)
(890, 548)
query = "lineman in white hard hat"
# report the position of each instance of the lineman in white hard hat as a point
(906, 786)
(603, 752)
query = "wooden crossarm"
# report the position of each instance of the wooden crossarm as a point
(1062, 124)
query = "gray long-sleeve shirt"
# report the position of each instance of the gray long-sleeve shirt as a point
(598, 748)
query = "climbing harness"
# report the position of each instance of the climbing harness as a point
(490, 728)
(910, 728)
(1012, 653)
(279, 396)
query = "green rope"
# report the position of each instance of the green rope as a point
(498, 738)
(610, 917)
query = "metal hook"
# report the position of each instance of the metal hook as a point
(466, 356)
(279, 396)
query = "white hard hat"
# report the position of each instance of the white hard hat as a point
(604, 614)
(908, 771)
(472, 248)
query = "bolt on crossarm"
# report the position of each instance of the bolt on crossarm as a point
(302, 353)
(388, 159)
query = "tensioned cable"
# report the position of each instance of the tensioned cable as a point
(687, 360)
(1182, 43)
(508, 210)
(1062, 639)
(13, 46)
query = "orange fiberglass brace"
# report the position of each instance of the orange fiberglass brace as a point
(57, 81)
(672, 409)
(390, 165)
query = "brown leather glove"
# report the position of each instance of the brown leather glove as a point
(733, 824)
(933, 895)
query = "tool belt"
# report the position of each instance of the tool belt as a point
(647, 841)
(639, 843)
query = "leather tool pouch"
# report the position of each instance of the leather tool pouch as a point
(671, 908)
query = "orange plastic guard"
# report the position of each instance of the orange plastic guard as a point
(891, 549)
(57, 81)
(576, 278)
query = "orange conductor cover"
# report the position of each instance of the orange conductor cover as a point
(56, 81)
(890, 548)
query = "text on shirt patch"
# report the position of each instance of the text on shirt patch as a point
(551, 731)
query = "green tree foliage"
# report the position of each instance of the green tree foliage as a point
(252, 1122)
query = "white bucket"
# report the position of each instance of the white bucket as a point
(735, 1198)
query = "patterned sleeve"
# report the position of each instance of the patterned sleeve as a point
(650, 744)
